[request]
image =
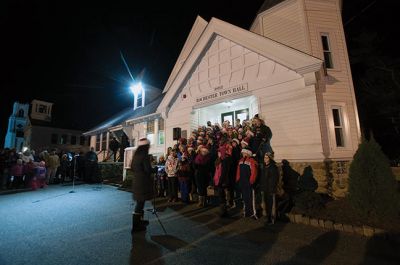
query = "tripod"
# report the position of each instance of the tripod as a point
(154, 210)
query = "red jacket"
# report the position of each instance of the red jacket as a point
(17, 170)
(247, 168)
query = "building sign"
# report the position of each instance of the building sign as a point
(220, 93)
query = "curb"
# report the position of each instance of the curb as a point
(366, 231)
(7, 192)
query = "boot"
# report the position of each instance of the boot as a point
(201, 201)
(137, 225)
(142, 221)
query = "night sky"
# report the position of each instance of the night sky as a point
(68, 53)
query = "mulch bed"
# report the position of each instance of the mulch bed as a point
(340, 211)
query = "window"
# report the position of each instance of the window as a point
(20, 134)
(63, 139)
(82, 140)
(161, 137)
(104, 141)
(88, 141)
(161, 133)
(139, 99)
(42, 108)
(21, 113)
(338, 125)
(326, 47)
(150, 131)
(161, 124)
(73, 139)
(150, 127)
(54, 138)
(98, 142)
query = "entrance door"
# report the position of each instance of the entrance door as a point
(227, 116)
(242, 115)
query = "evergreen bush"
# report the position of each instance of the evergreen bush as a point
(372, 185)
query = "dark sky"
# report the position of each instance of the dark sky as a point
(69, 53)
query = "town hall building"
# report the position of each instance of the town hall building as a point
(291, 68)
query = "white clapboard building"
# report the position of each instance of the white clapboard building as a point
(291, 68)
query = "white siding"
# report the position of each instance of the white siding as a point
(288, 107)
(285, 23)
(325, 17)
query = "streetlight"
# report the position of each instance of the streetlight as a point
(136, 88)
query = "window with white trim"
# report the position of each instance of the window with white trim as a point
(161, 133)
(139, 99)
(337, 115)
(327, 50)
(150, 131)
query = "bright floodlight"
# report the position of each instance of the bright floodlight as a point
(24, 149)
(136, 88)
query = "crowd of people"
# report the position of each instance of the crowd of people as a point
(31, 170)
(233, 162)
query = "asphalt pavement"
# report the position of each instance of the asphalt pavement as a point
(92, 226)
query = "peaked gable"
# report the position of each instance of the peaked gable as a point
(290, 58)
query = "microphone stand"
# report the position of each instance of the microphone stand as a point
(154, 210)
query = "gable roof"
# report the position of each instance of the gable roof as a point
(291, 58)
(153, 99)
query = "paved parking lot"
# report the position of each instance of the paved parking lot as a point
(92, 226)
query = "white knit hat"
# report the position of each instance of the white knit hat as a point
(247, 151)
(143, 141)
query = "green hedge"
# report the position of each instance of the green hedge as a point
(372, 184)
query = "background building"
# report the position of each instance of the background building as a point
(16, 126)
(131, 124)
(43, 132)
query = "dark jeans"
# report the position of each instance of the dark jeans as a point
(173, 187)
(247, 194)
(270, 203)
(184, 186)
(139, 207)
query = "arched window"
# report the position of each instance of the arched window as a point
(21, 113)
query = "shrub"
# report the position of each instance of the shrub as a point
(372, 185)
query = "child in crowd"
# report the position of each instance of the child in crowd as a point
(17, 173)
(246, 176)
(184, 172)
(171, 167)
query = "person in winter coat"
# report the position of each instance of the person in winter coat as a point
(268, 185)
(29, 172)
(64, 168)
(161, 177)
(171, 168)
(236, 150)
(191, 157)
(246, 175)
(17, 171)
(202, 166)
(39, 180)
(221, 181)
(91, 172)
(142, 184)
(184, 173)
(53, 164)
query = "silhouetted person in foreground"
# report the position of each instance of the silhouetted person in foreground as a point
(142, 184)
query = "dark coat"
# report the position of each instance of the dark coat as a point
(269, 179)
(142, 181)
